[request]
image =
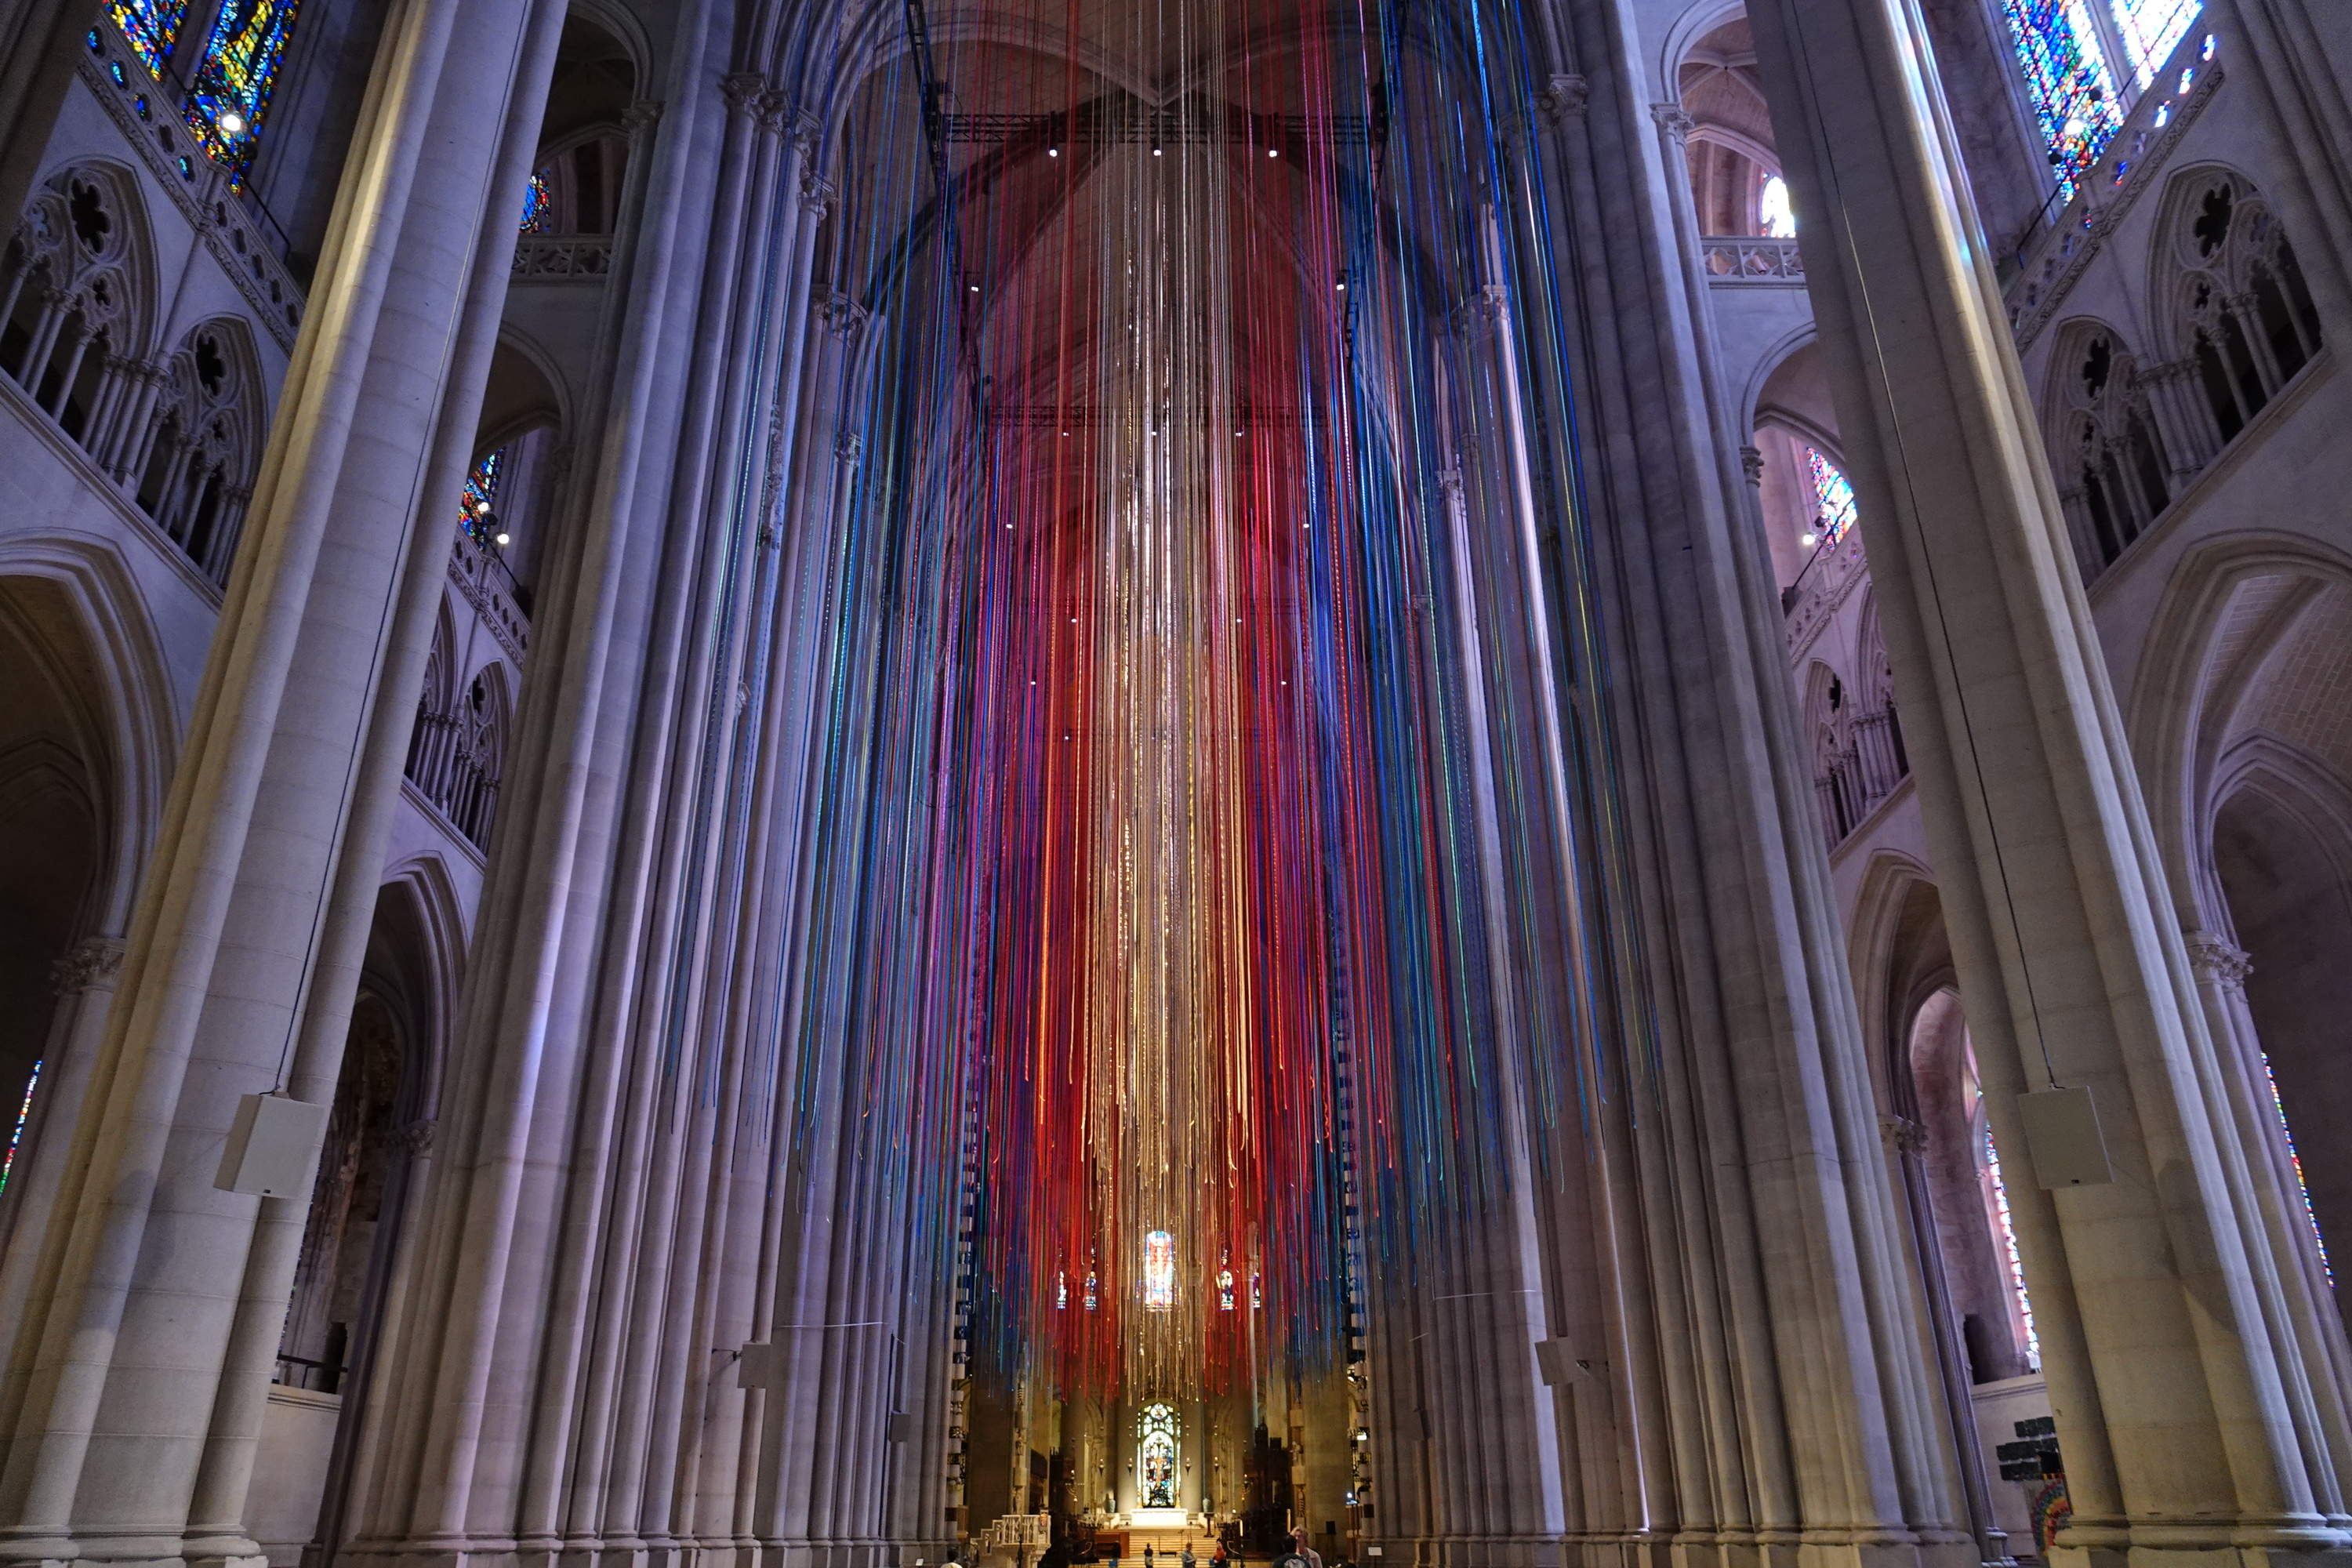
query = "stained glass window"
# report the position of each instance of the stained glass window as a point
(1061, 1290)
(1773, 215)
(2151, 29)
(1224, 1290)
(151, 28)
(2302, 1187)
(1159, 1271)
(17, 1134)
(538, 205)
(1090, 1294)
(1156, 1431)
(1835, 495)
(234, 80)
(2015, 1264)
(2068, 80)
(481, 495)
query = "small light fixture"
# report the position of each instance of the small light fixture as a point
(506, 539)
(232, 123)
(975, 288)
(1050, 152)
(1805, 539)
(1341, 285)
(1156, 152)
(1272, 153)
(481, 508)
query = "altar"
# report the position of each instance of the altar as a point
(1159, 1519)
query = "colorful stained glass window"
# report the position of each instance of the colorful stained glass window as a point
(1156, 1432)
(2068, 80)
(17, 1134)
(538, 205)
(1159, 1271)
(1061, 1290)
(1773, 214)
(151, 28)
(2151, 30)
(235, 77)
(2302, 1187)
(1224, 1290)
(1090, 1294)
(1835, 514)
(2015, 1264)
(481, 495)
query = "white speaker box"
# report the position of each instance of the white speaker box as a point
(271, 1147)
(2063, 1139)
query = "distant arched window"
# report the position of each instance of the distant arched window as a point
(2245, 311)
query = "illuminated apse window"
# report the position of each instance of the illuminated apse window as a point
(1159, 1271)
(1156, 1431)
(1836, 514)
(1772, 212)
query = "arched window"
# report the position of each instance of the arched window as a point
(24, 1116)
(1834, 503)
(2110, 461)
(538, 205)
(1159, 1271)
(1155, 1455)
(1774, 215)
(476, 516)
(2245, 313)
(233, 80)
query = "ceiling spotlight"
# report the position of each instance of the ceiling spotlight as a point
(232, 123)
(1341, 285)
(1272, 152)
(1155, 152)
(506, 539)
(1052, 152)
(975, 288)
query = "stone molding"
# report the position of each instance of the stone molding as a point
(1674, 120)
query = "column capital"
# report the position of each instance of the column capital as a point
(1564, 97)
(90, 964)
(850, 447)
(1674, 120)
(744, 91)
(2219, 960)
(1902, 1134)
(817, 195)
(643, 115)
(844, 317)
(1752, 463)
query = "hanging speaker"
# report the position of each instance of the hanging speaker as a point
(1557, 1367)
(2061, 1139)
(271, 1146)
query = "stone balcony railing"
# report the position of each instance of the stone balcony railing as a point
(1733, 258)
(563, 256)
(1810, 600)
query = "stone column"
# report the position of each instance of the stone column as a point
(85, 980)
(126, 1393)
(2174, 1401)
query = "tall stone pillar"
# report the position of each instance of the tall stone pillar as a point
(138, 1371)
(2183, 1409)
